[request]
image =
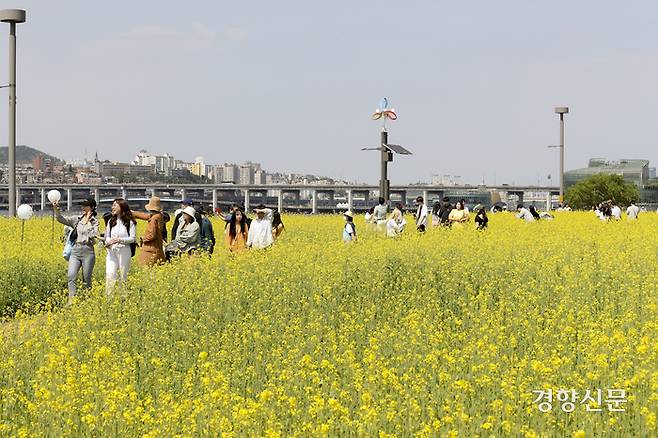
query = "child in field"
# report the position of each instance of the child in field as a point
(349, 231)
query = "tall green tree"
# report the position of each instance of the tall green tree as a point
(601, 187)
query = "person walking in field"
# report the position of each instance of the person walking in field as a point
(83, 237)
(421, 214)
(633, 211)
(227, 217)
(380, 211)
(152, 241)
(237, 231)
(119, 238)
(349, 230)
(260, 230)
(444, 212)
(207, 233)
(615, 211)
(277, 225)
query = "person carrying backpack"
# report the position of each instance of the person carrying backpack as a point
(82, 238)
(349, 230)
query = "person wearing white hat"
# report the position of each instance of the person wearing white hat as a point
(188, 234)
(349, 231)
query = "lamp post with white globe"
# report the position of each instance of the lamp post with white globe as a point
(53, 196)
(25, 213)
(12, 16)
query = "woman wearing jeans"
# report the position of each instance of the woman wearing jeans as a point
(82, 255)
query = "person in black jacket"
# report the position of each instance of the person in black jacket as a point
(444, 211)
(481, 219)
(207, 233)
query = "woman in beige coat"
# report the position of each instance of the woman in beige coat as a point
(152, 242)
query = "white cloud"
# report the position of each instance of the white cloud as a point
(151, 30)
(203, 32)
(236, 34)
(195, 36)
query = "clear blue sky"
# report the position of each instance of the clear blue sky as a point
(292, 84)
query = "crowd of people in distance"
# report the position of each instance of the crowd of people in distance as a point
(609, 210)
(192, 231)
(191, 234)
(443, 214)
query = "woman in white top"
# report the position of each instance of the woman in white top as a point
(524, 213)
(393, 228)
(119, 235)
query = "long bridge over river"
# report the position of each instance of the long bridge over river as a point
(301, 198)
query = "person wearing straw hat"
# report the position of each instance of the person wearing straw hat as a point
(260, 230)
(152, 242)
(349, 231)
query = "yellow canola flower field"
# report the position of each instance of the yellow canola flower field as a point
(442, 334)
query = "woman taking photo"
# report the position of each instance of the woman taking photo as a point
(119, 236)
(237, 231)
(83, 237)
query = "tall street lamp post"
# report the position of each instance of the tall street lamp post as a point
(561, 110)
(12, 16)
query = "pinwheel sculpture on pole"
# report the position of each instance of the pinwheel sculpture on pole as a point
(385, 113)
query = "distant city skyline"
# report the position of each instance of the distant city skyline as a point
(292, 85)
